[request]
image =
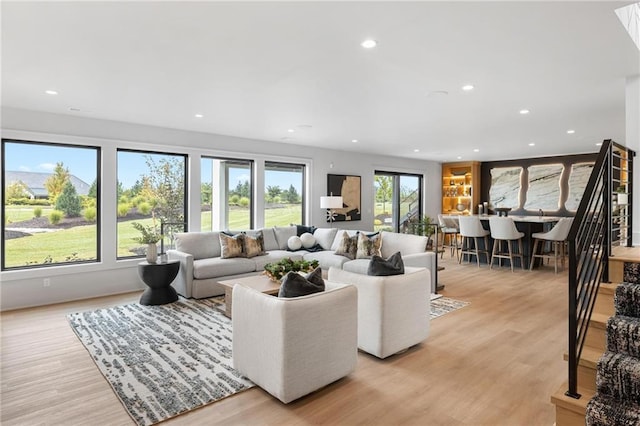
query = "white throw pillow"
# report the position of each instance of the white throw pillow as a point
(294, 243)
(308, 240)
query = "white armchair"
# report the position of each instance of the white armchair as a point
(393, 311)
(292, 347)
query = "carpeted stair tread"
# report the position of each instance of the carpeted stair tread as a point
(627, 300)
(618, 377)
(623, 335)
(604, 411)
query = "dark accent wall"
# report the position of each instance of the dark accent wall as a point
(566, 160)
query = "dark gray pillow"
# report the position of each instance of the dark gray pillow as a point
(294, 284)
(379, 266)
(301, 229)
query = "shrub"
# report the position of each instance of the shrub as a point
(68, 201)
(37, 212)
(123, 199)
(144, 208)
(90, 214)
(123, 209)
(234, 199)
(243, 202)
(136, 201)
(55, 217)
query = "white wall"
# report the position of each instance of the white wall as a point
(25, 288)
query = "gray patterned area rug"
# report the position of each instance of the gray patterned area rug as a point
(444, 305)
(162, 361)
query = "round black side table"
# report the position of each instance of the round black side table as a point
(158, 277)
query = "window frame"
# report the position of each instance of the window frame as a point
(185, 157)
(98, 224)
(303, 195)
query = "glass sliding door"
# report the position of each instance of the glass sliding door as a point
(226, 193)
(398, 201)
(284, 194)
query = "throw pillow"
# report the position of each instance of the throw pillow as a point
(303, 229)
(308, 240)
(295, 284)
(348, 246)
(380, 266)
(368, 245)
(325, 237)
(231, 245)
(253, 244)
(294, 243)
(283, 233)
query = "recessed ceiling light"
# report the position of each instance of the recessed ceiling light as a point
(74, 109)
(199, 115)
(291, 130)
(476, 150)
(599, 144)
(467, 87)
(524, 111)
(570, 131)
(369, 44)
(354, 140)
(532, 144)
(51, 92)
(416, 150)
(459, 157)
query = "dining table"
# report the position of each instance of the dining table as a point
(530, 225)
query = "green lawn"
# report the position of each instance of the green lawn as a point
(20, 213)
(239, 218)
(61, 245)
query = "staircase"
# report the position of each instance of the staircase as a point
(609, 366)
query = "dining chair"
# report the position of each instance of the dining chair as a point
(471, 230)
(557, 236)
(503, 230)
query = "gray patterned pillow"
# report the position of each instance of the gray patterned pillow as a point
(368, 245)
(348, 246)
(380, 266)
(295, 285)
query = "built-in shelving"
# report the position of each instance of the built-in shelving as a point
(460, 187)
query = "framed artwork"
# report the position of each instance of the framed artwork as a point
(348, 187)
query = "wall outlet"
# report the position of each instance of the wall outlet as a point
(46, 282)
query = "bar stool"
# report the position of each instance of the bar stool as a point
(449, 228)
(557, 236)
(504, 230)
(470, 230)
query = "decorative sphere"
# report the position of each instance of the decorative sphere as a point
(294, 243)
(308, 240)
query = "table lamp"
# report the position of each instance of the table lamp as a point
(331, 202)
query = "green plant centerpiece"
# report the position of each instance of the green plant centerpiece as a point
(148, 234)
(276, 270)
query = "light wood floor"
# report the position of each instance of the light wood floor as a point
(494, 362)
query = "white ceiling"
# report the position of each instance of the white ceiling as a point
(256, 70)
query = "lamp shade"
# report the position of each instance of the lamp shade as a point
(330, 202)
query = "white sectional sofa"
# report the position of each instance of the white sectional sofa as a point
(202, 267)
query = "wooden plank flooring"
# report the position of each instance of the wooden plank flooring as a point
(494, 362)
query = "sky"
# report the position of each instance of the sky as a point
(81, 163)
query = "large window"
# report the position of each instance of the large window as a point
(151, 189)
(51, 197)
(283, 194)
(398, 201)
(226, 194)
